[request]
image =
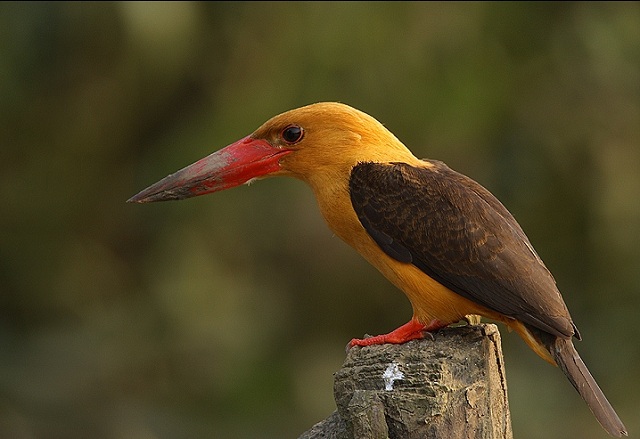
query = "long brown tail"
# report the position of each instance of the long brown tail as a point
(567, 358)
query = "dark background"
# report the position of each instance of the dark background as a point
(226, 315)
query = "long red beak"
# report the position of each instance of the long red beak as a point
(231, 166)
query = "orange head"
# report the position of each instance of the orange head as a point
(319, 143)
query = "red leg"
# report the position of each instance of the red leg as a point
(411, 330)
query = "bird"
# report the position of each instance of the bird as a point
(439, 236)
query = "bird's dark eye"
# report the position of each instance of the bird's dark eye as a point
(292, 134)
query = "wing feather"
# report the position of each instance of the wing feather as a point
(458, 233)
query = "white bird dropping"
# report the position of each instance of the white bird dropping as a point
(391, 374)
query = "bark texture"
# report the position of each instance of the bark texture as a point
(453, 386)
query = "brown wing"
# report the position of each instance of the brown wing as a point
(458, 233)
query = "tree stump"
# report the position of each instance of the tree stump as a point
(453, 386)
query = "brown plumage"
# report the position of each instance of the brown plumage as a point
(439, 236)
(460, 235)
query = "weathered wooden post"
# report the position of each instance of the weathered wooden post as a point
(453, 386)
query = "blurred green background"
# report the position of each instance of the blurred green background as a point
(226, 315)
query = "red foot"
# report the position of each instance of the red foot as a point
(411, 330)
